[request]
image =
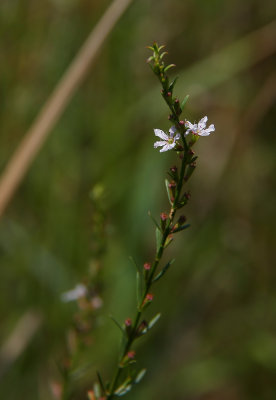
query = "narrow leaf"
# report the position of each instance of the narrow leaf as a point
(168, 67)
(163, 271)
(97, 390)
(153, 321)
(184, 102)
(163, 54)
(158, 238)
(140, 375)
(171, 87)
(154, 220)
(100, 382)
(139, 288)
(181, 228)
(138, 268)
(168, 190)
(161, 47)
(122, 390)
(117, 324)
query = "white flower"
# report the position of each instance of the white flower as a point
(79, 291)
(169, 141)
(200, 128)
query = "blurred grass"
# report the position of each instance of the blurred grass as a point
(216, 338)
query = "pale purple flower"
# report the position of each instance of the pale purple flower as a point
(168, 142)
(200, 128)
(79, 291)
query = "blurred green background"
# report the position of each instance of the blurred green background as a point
(217, 335)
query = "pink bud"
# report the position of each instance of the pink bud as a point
(163, 216)
(149, 297)
(128, 322)
(147, 266)
(131, 354)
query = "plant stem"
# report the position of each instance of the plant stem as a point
(149, 282)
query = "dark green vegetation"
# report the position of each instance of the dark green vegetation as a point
(216, 337)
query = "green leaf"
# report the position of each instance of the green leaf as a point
(158, 235)
(153, 321)
(168, 67)
(138, 268)
(97, 390)
(184, 102)
(168, 190)
(154, 220)
(161, 47)
(139, 288)
(140, 375)
(181, 228)
(123, 389)
(117, 324)
(163, 54)
(100, 382)
(171, 87)
(163, 271)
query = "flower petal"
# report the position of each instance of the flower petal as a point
(211, 128)
(165, 148)
(188, 125)
(161, 134)
(172, 130)
(159, 143)
(177, 137)
(168, 147)
(202, 122)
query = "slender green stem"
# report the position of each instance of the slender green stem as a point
(175, 204)
(149, 282)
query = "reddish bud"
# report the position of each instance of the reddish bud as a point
(172, 184)
(149, 297)
(91, 395)
(147, 266)
(142, 328)
(131, 354)
(128, 322)
(173, 169)
(169, 94)
(181, 123)
(176, 101)
(187, 195)
(163, 216)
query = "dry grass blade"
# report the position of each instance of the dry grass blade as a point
(57, 102)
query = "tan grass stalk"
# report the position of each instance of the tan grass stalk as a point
(57, 102)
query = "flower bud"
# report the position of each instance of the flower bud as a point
(163, 217)
(147, 266)
(128, 358)
(142, 328)
(187, 195)
(131, 354)
(147, 300)
(128, 322)
(91, 395)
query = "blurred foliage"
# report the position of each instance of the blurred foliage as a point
(216, 337)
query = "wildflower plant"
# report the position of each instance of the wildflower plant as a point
(181, 138)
